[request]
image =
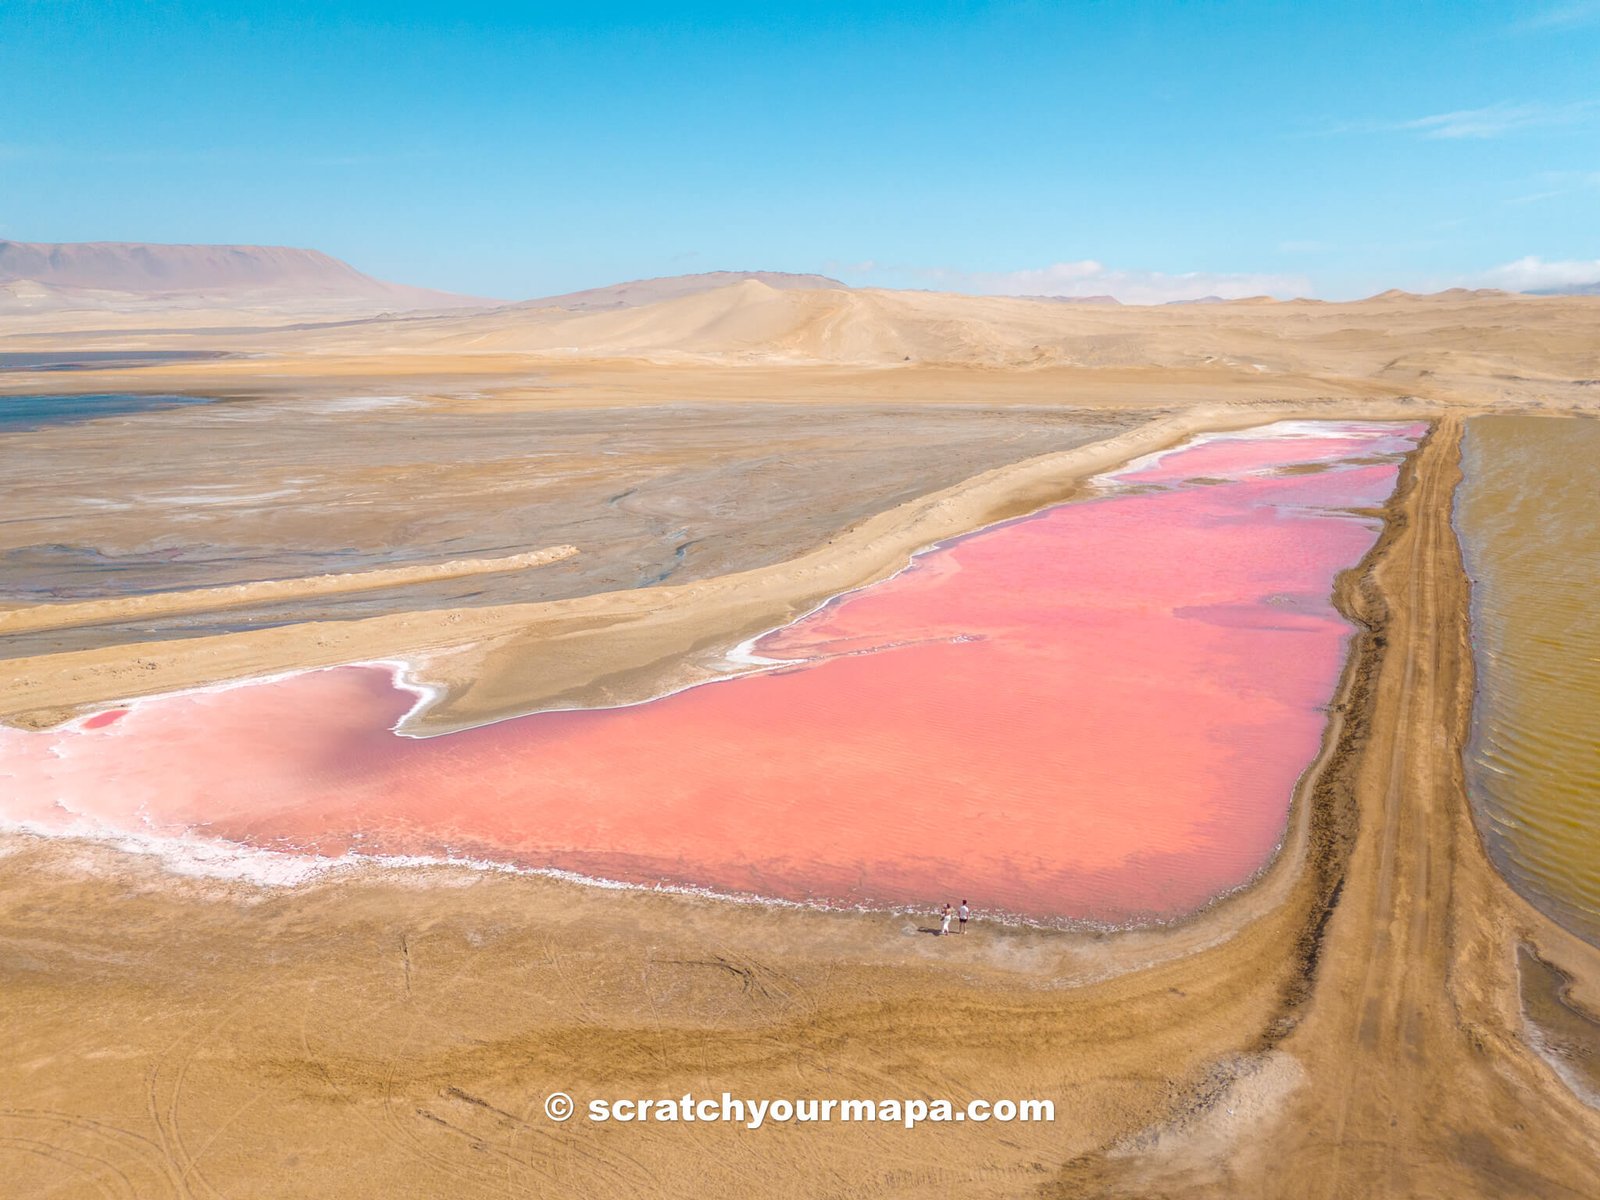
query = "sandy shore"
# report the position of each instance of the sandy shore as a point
(35, 617)
(1350, 1026)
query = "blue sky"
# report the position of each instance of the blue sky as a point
(1149, 150)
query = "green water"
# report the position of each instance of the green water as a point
(1528, 514)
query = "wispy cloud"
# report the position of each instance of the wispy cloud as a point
(1555, 184)
(1491, 121)
(1562, 16)
(1531, 273)
(1090, 278)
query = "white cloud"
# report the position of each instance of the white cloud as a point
(1491, 121)
(1527, 274)
(1560, 183)
(1090, 278)
(1563, 16)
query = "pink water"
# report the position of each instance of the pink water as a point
(1098, 712)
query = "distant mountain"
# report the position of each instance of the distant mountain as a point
(1572, 289)
(639, 292)
(1074, 299)
(1449, 294)
(752, 321)
(120, 274)
(1226, 300)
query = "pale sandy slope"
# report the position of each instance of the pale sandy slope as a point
(635, 293)
(1395, 335)
(1488, 343)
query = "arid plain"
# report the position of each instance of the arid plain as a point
(1379, 1013)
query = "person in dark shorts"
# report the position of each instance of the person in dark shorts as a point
(964, 912)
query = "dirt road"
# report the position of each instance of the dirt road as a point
(1410, 1070)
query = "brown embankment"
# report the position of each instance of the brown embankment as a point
(1411, 1069)
(193, 600)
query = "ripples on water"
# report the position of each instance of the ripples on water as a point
(1528, 515)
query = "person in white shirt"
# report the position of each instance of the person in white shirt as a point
(964, 912)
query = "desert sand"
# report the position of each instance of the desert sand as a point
(1379, 1014)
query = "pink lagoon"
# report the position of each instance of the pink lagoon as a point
(1095, 713)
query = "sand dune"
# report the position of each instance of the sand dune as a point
(1483, 342)
(752, 321)
(1492, 340)
(637, 292)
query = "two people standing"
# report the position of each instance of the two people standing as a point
(963, 913)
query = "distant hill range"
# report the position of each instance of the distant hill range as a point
(640, 292)
(1572, 289)
(114, 275)
(220, 298)
(1102, 299)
